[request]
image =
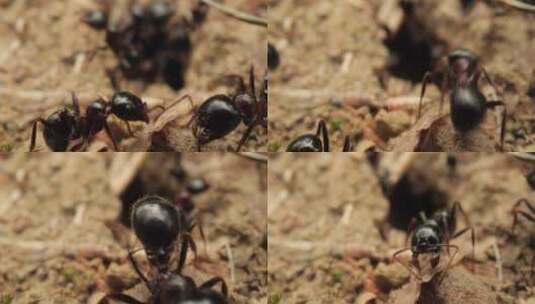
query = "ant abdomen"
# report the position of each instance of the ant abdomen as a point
(468, 107)
(129, 107)
(58, 130)
(216, 118)
(157, 225)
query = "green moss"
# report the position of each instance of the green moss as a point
(6, 299)
(337, 276)
(70, 274)
(6, 147)
(274, 146)
(275, 298)
(336, 125)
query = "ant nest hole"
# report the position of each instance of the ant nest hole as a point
(419, 189)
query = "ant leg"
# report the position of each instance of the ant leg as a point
(453, 256)
(322, 128)
(496, 103)
(183, 255)
(246, 135)
(177, 101)
(136, 267)
(75, 104)
(119, 297)
(129, 129)
(487, 77)
(425, 80)
(34, 132)
(110, 135)
(252, 83)
(410, 269)
(113, 77)
(457, 207)
(348, 145)
(410, 229)
(516, 213)
(187, 237)
(212, 282)
(443, 88)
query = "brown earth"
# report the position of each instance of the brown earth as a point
(56, 246)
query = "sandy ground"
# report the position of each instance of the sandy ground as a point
(333, 66)
(46, 54)
(332, 232)
(57, 248)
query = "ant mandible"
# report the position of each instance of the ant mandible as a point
(67, 124)
(221, 114)
(314, 143)
(158, 225)
(468, 105)
(433, 234)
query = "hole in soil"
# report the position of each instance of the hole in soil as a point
(134, 191)
(413, 50)
(411, 196)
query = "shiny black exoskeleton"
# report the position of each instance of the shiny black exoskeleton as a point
(468, 105)
(219, 115)
(147, 43)
(159, 225)
(60, 127)
(67, 124)
(314, 143)
(431, 235)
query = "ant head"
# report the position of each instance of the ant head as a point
(426, 239)
(157, 224)
(128, 106)
(462, 63)
(245, 104)
(216, 117)
(306, 143)
(197, 186)
(58, 129)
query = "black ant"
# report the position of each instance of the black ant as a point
(67, 124)
(468, 105)
(529, 215)
(431, 235)
(147, 44)
(221, 114)
(314, 143)
(158, 225)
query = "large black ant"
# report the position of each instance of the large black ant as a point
(158, 225)
(67, 124)
(431, 235)
(221, 114)
(315, 143)
(147, 44)
(468, 105)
